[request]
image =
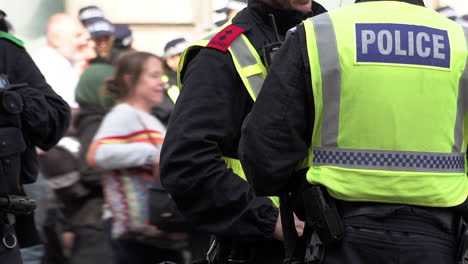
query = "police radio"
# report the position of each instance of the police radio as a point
(269, 50)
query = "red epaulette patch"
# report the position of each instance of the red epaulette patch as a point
(225, 37)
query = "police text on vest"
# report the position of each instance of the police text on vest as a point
(402, 44)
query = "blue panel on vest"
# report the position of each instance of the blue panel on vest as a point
(403, 44)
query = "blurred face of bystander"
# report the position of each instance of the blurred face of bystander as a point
(104, 45)
(89, 50)
(173, 62)
(68, 36)
(231, 14)
(150, 86)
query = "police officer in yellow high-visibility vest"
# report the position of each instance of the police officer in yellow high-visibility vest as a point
(219, 78)
(370, 101)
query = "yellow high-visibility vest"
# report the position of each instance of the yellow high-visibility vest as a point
(173, 91)
(390, 86)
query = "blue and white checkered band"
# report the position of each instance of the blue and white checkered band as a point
(402, 44)
(390, 160)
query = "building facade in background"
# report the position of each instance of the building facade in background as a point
(154, 22)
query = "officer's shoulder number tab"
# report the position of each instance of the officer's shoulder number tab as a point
(5, 35)
(225, 37)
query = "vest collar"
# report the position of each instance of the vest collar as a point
(414, 2)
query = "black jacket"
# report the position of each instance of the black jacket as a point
(277, 134)
(42, 122)
(205, 126)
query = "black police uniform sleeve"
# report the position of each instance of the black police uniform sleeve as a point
(204, 126)
(45, 116)
(278, 130)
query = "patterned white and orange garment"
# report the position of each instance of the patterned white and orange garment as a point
(127, 142)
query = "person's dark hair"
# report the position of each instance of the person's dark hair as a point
(129, 64)
(4, 25)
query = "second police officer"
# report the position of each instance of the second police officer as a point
(220, 78)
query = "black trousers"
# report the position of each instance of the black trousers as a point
(398, 238)
(130, 252)
(7, 239)
(249, 252)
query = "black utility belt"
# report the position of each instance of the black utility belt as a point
(445, 218)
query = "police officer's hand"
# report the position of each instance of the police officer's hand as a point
(278, 234)
(40, 152)
(68, 240)
(299, 225)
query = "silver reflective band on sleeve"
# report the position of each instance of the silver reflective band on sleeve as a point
(246, 59)
(390, 160)
(331, 78)
(462, 104)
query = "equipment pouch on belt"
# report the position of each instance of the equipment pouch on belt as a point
(323, 220)
(322, 215)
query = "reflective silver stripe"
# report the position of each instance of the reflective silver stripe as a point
(462, 104)
(390, 160)
(331, 78)
(245, 58)
(256, 82)
(242, 52)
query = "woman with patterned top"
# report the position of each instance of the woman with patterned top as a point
(129, 142)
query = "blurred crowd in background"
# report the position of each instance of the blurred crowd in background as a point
(81, 54)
